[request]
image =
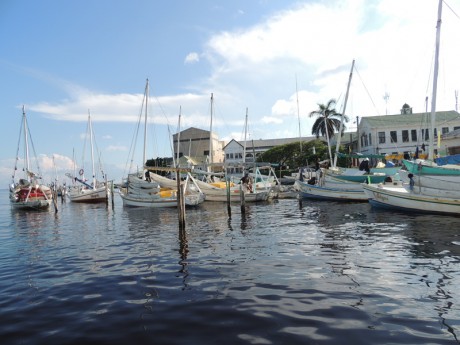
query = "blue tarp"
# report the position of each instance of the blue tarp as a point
(454, 159)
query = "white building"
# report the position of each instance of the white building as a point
(401, 134)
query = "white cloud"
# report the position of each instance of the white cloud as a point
(312, 43)
(192, 58)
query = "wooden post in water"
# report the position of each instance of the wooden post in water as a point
(106, 191)
(55, 198)
(112, 196)
(227, 185)
(180, 203)
(242, 199)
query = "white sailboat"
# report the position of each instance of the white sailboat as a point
(408, 196)
(82, 190)
(28, 192)
(323, 188)
(139, 190)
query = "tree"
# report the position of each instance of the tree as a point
(291, 155)
(328, 122)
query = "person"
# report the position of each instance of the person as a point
(411, 181)
(147, 176)
(364, 165)
(246, 182)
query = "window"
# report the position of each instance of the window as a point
(239, 155)
(393, 137)
(365, 141)
(435, 132)
(413, 134)
(425, 134)
(445, 130)
(206, 153)
(381, 137)
(405, 136)
(370, 139)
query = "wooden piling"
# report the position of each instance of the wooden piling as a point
(242, 200)
(227, 186)
(180, 201)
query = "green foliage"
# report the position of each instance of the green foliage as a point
(159, 162)
(290, 154)
(327, 117)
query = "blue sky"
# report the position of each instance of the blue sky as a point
(277, 58)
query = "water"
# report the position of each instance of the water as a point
(283, 273)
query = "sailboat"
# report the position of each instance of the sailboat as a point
(223, 191)
(81, 190)
(323, 187)
(28, 192)
(408, 196)
(140, 190)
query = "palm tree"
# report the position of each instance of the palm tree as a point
(327, 122)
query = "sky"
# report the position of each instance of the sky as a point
(274, 60)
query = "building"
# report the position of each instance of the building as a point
(196, 143)
(401, 134)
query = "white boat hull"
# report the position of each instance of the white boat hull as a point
(153, 202)
(88, 195)
(400, 197)
(309, 191)
(445, 182)
(220, 194)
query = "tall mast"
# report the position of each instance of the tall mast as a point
(210, 132)
(26, 143)
(339, 137)
(298, 114)
(92, 151)
(146, 97)
(245, 133)
(178, 137)
(435, 82)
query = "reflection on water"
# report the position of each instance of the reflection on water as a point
(283, 272)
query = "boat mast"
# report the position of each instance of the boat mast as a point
(245, 133)
(26, 143)
(92, 151)
(210, 136)
(339, 137)
(178, 138)
(298, 114)
(435, 83)
(146, 93)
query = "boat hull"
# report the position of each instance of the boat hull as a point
(89, 195)
(402, 198)
(421, 168)
(147, 202)
(308, 191)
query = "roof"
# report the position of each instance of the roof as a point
(232, 141)
(274, 142)
(410, 119)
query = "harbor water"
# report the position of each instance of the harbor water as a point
(283, 272)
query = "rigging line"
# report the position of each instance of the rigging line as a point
(450, 8)
(17, 150)
(33, 150)
(132, 148)
(367, 91)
